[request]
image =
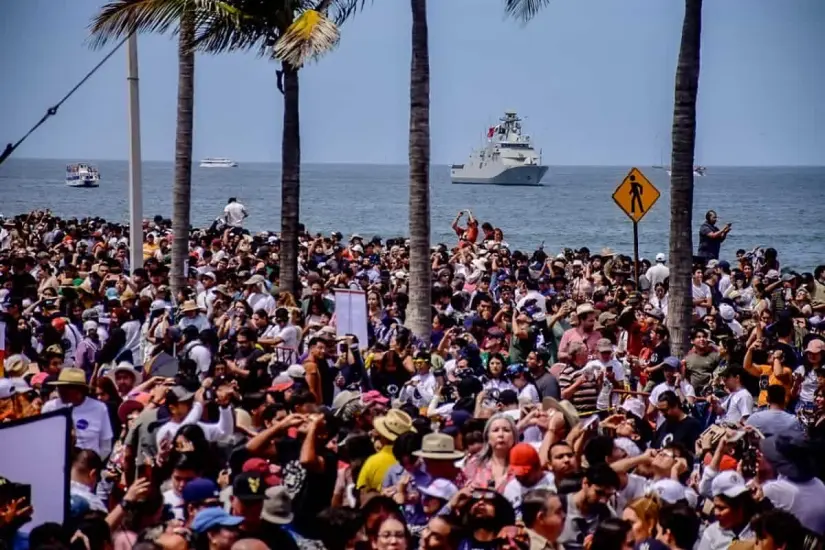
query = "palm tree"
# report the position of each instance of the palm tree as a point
(680, 309)
(291, 30)
(419, 312)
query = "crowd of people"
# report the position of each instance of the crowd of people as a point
(546, 411)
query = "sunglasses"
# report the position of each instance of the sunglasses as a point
(481, 494)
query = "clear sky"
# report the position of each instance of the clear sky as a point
(593, 77)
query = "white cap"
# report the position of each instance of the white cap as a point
(669, 490)
(726, 312)
(628, 446)
(89, 326)
(660, 257)
(296, 371)
(634, 405)
(7, 388)
(729, 483)
(443, 489)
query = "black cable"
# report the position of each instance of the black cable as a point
(51, 111)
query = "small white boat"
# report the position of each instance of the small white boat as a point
(214, 162)
(698, 171)
(82, 175)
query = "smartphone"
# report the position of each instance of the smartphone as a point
(342, 348)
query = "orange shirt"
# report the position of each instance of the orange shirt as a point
(767, 378)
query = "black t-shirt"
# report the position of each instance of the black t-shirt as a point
(685, 432)
(311, 492)
(660, 353)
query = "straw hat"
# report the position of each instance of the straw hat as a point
(16, 366)
(566, 408)
(393, 424)
(438, 446)
(70, 376)
(189, 305)
(127, 367)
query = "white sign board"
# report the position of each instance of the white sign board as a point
(36, 457)
(351, 315)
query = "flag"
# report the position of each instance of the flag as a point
(491, 131)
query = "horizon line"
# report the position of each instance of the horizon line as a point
(355, 163)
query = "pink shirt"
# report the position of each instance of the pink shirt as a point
(575, 335)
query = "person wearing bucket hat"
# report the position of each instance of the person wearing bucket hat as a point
(93, 429)
(387, 429)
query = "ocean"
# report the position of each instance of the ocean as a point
(780, 207)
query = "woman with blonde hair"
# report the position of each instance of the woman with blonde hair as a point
(643, 515)
(490, 467)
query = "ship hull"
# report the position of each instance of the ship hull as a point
(513, 175)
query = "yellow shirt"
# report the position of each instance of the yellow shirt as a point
(767, 378)
(375, 468)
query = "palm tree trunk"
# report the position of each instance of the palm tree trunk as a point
(290, 183)
(680, 308)
(182, 188)
(419, 316)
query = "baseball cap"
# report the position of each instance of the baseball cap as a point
(730, 484)
(524, 458)
(457, 419)
(260, 466)
(296, 371)
(200, 489)
(672, 362)
(635, 406)
(209, 518)
(660, 257)
(249, 486)
(669, 490)
(443, 489)
(179, 394)
(606, 317)
(584, 309)
(656, 313)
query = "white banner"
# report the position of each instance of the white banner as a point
(351, 314)
(35, 458)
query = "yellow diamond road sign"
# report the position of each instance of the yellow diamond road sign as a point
(636, 195)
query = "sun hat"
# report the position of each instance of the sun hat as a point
(584, 309)
(16, 366)
(393, 424)
(277, 506)
(128, 407)
(438, 446)
(127, 367)
(669, 490)
(212, 517)
(440, 488)
(70, 376)
(730, 484)
(524, 458)
(189, 305)
(566, 408)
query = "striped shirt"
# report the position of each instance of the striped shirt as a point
(587, 393)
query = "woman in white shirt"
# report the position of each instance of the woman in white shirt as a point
(520, 377)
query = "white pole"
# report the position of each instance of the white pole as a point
(135, 184)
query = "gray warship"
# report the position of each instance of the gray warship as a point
(508, 158)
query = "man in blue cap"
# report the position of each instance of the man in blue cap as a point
(199, 494)
(217, 527)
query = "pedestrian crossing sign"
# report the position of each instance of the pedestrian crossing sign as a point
(636, 195)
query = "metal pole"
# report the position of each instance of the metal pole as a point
(135, 183)
(636, 252)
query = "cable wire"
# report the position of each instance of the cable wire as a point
(51, 111)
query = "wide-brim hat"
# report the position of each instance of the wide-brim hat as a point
(127, 367)
(566, 408)
(438, 446)
(393, 424)
(70, 376)
(189, 305)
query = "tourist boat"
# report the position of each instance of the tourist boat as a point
(507, 158)
(213, 162)
(82, 175)
(698, 171)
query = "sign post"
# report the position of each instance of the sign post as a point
(635, 195)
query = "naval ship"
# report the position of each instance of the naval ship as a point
(508, 158)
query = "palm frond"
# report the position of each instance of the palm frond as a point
(341, 10)
(524, 9)
(309, 37)
(119, 18)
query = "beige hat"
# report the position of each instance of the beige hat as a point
(125, 366)
(566, 408)
(16, 366)
(584, 309)
(254, 280)
(71, 377)
(604, 345)
(189, 305)
(438, 446)
(393, 424)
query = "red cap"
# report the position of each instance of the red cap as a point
(524, 458)
(261, 466)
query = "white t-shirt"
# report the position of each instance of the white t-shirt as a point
(175, 502)
(291, 340)
(259, 300)
(809, 384)
(529, 392)
(514, 491)
(222, 428)
(235, 213)
(420, 390)
(92, 428)
(700, 292)
(738, 405)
